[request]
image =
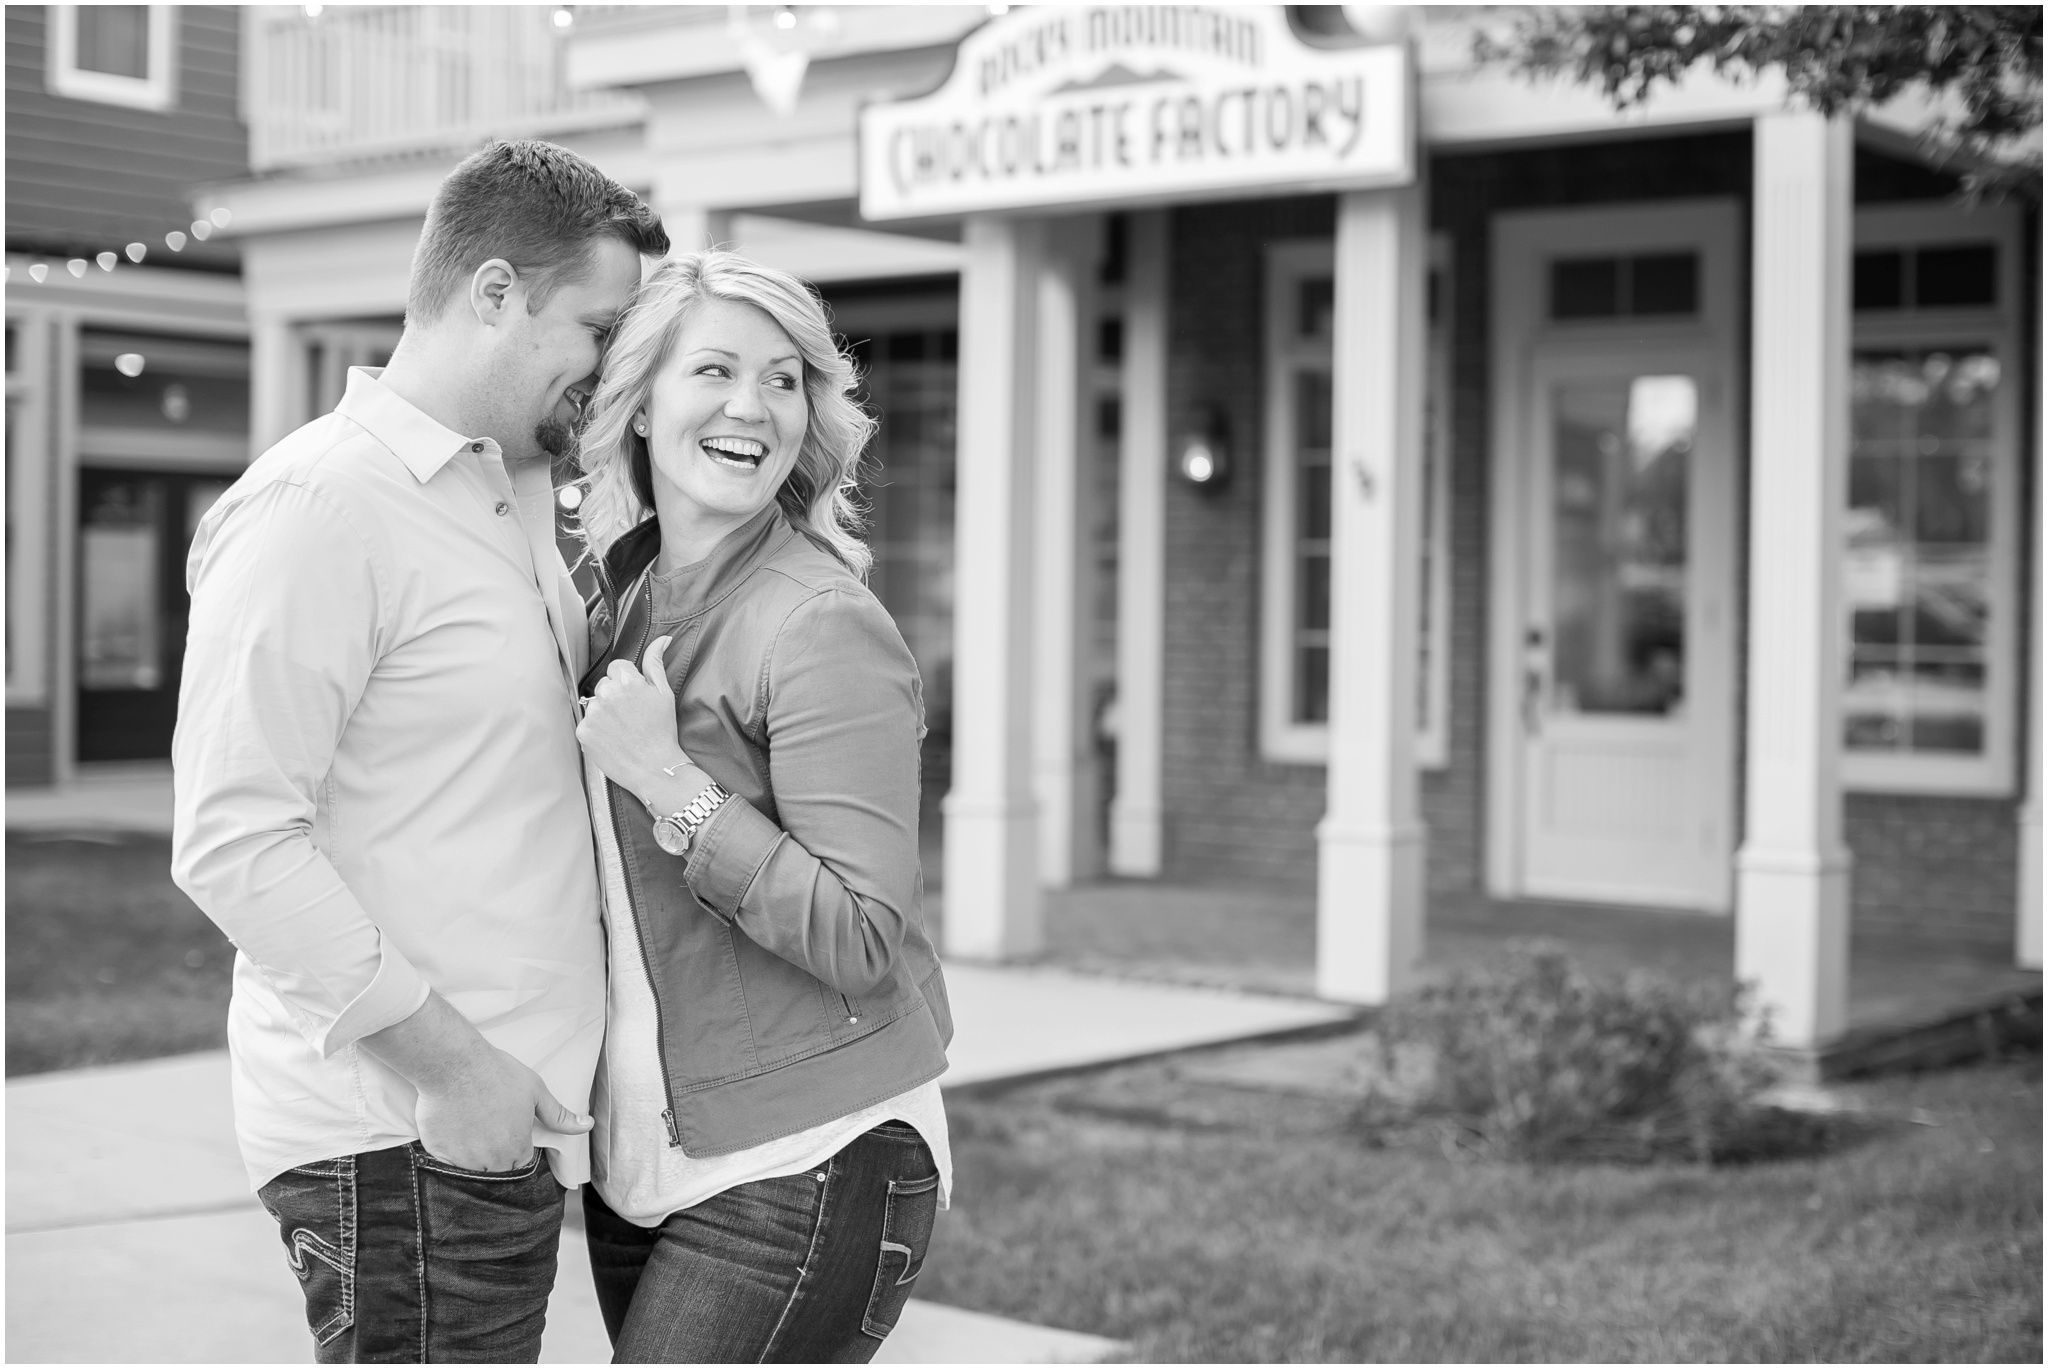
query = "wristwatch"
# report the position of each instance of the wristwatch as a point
(676, 831)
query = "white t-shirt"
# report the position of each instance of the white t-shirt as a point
(638, 1173)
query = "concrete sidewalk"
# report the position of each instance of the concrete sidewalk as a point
(132, 1236)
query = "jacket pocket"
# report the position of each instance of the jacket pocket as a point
(907, 1220)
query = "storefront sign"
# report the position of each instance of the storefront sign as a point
(1124, 104)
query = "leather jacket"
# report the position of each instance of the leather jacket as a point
(793, 979)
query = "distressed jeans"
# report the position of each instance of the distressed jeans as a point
(405, 1259)
(808, 1268)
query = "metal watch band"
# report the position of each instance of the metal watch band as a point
(700, 809)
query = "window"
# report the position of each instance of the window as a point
(1659, 285)
(1295, 672)
(115, 54)
(1929, 568)
(28, 517)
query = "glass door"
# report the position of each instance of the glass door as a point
(1626, 647)
(135, 528)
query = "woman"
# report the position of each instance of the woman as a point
(770, 1147)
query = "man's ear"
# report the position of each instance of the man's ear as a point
(493, 288)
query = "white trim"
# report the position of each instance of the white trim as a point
(156, 91)
(29, 488)
(1519, 319)
(1282, 738)
(1990, 773)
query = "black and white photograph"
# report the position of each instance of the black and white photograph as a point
(1054, 683)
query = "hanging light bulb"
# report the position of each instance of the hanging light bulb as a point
(312, 11)
(564, 17)
(76, 266)
(201, 229)
(785, 18)
(136, 252)
(175, 240)
(129, 364)
(38, 271)
(107, 260)
(570, 497)
(220, 217)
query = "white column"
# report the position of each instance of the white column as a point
(277, 382)
(1059, 654)
(1134, 813)
(991, 888)
(1792, 873)
(2027, 947)
(1369, 868)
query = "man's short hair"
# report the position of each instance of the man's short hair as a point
(539, 207)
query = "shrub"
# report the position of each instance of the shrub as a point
(1538, 1060)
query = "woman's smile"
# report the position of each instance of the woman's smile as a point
(742, 453)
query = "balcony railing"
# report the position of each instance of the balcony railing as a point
(351, 82)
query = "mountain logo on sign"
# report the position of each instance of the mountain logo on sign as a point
(1117, 74)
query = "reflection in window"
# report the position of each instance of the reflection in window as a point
(1618, 542)
(1918, 573)
(119, 647)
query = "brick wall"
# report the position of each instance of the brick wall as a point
(29, 746)
(1926, 866)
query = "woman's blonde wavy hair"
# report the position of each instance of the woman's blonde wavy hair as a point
(820, 494)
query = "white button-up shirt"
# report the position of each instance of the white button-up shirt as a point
(379, 788)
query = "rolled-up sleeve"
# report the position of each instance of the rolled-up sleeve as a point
(830, 886)
(288, 613)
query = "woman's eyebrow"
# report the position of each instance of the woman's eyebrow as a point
(726, 352)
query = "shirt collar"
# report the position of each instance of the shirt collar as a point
(417, 440)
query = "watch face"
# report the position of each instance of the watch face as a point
(669, 836)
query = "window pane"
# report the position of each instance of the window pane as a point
(1585, 288)
(1312, 411)
(114, 39)
(1917, 572)
(1312, 685)
(177, 385)
(1618, 542)
(1312, 594)
(1316, 307)
(1948, 276)
(120, 555)
(1665, 285)
(1880, 280)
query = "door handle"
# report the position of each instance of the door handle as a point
(1532, 701)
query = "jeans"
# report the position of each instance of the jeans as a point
(403, 1258)
(809, 1268)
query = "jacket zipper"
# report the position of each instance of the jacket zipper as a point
(668, 1114)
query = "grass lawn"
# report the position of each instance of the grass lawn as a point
(1198, 1221)
(106, 959)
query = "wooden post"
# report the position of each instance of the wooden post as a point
(1792, 873)
(1135, 831)
(1370, 843)
(991, 889)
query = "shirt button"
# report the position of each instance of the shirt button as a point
(853, 1019)
(476, 446)
(502, 506)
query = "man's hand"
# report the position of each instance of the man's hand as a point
(477, 1105)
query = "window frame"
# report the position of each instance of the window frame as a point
(1283, 739)
(156, 91)
(1991, 773)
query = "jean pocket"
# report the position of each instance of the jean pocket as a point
(315, 1209)
(913, 1206)
(424, 1160)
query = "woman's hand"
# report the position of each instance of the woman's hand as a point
(629, 726)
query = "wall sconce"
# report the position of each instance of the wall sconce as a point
(1202, 456)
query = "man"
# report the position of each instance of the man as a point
(379, 792)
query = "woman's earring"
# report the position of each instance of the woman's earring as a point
(640, 428)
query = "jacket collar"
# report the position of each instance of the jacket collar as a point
(417, 440)
(693, 589)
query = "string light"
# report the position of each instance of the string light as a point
(201, 229)
(136, 252)
(106, 260)
(220, 218)
(76, 266)
(175, 240)
(785, 18)
(38, 271)
(564, 17)
(129, 364)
